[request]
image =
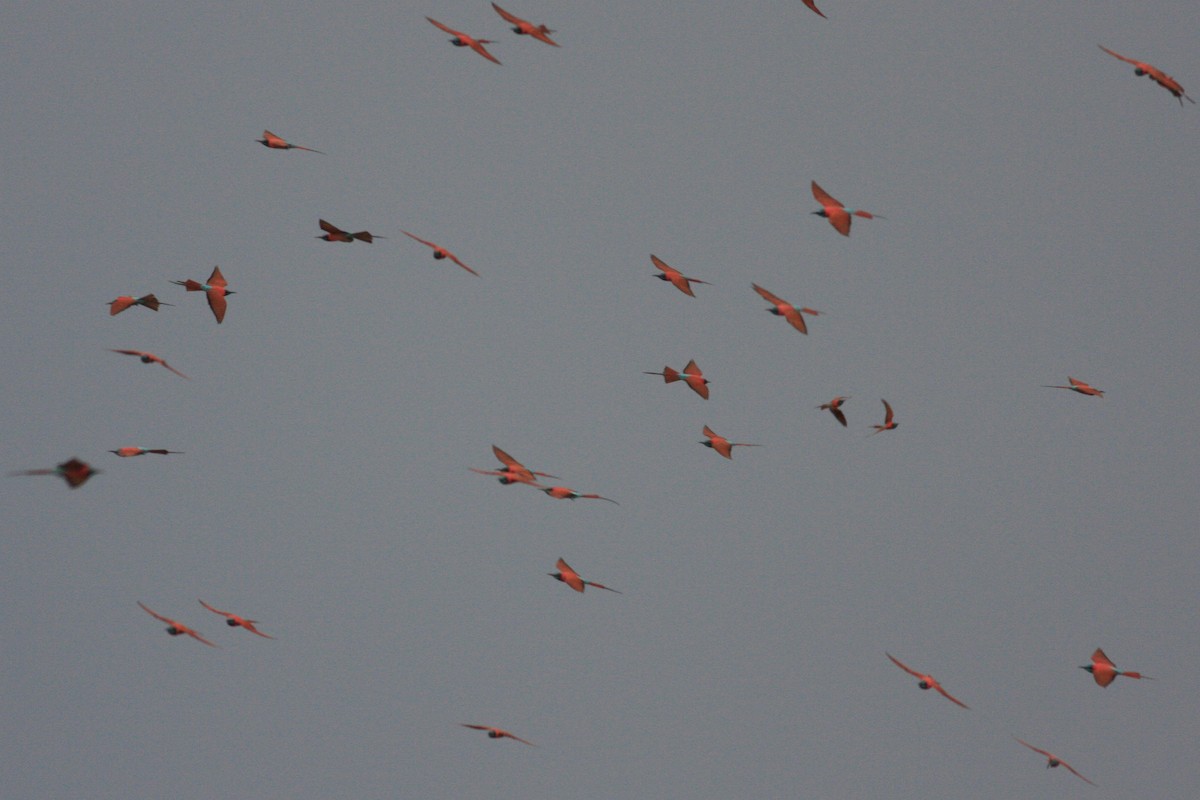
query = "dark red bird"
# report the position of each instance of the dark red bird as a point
(463, 40)
(335, 234)
(691, 375)
(74, 472)
(126, 301)
(176, 628)
(276, 143)
(525, 28)
(215, 290)
(149, 358)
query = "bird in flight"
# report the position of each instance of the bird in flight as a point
(514, 471)
(462, 40)
(786, 310)
(721, 444)
(691, 375)
(496, 733)
(234, 621)
(149, 358)
(838, 215)
(126, 301)
(74, 472)
(276, 143)
(215, 290)
(1078, 386)
(175, 628)
(1164, 80)
(1053, 760)
(834, 407)
(335, 234)
(926, 681)
(441, 252)
(889, 422)
(572, 578)
(563, 493)
(524, 28)
(813, 5)
(130, 452)
(1105, 671)
(675, 277)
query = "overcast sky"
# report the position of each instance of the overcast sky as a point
(1040, 204)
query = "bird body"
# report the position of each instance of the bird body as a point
(563, 493)
(463, 40)
(234, 621)
(1155, 74)
(215, 289)
(674, 276)
(926, 681)
(786, 310)
(572, 578)
(440, 252)
(1078, 386)
(127, 301)
(176, 628)
(74, 472)
(838, 215)
(276, 143)
(149, 358)
(1104, 671)
(721, 444)
(691, 375)
(889, 421)
(525, 28)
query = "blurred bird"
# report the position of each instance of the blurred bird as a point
(1164, 80)
(889, 424)
(1078, 386)
(125, 301)
(215, 290)
(462, 40)
(926, 681)
(441, 252)
(721, 444)
(834, 407)
(275, 143)
(74, 472)
(175, 628)
(691, 375)
(838, 215)
(149, 358)
(523, 28)
(1105, 671)
(514, 471)
(129, 452)
(336, 234)
(786, 310)
(571, 578)
(496, 733)
(234, 621)
(813, 5)
(675, 277)
(563, 493)
(1053, 760)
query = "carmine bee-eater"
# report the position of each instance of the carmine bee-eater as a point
(335, 234)
(674, 276)
(215, 289)
(74, 472)
(1164, 80)
(721, 444)
(495, 733)
(150, 358)
(786, 310)
(441, 252)
(691, 375)
(176, 628)
(276, 143)
(514, 471)
(572, 578)
(1078, 386)
(838, 215)
(889, 421)
(126, 301)
(525, 28)
(834, 407)
(1053, 760)
(130, 452)
(234, 621)
(463, 40)
(926, 681)
(1104, 671)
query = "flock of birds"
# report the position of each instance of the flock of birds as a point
(76, 472)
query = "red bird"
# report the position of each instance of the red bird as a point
(496, 733)
(462, 40)
(889, 422)
(275, 143)
(721, 444)
(571, 578)
(215, 290)
(129, 452)
(1105, 671)
(1078, 386)
(176, 628)
(126, 301)
(234, 621)
(514, 471)
(336, 234)
(523, 28)
(813, 5)
(839, 216)
(441, 252)
(74, 472)
(691, 375)
(563, 493)
(926, 681)
(1164, 80)
(149, 358)
(786, 310)
(675, 277)
(1053, 760)
(834, 407)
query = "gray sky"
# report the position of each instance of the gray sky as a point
(1041, 207)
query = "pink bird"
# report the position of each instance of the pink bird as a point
(496, 733)
(889, 422)
(126, 301)
(234, 621)
(838, 215)
(1164, 80)
(130, 452)
(1053, 760)
(786, 310)
(563, 493)
(462, 40)
(335, 234)
(675, 277)
(813, 5)
(834, 407)
(215, 290)
(276, 143)
(176, 628)
(149, 358)
(514, 471)
(523, 28)
(721, 444)
(1078, 386)
(74, 472)
(441, 252)
(1104, 671)
(572, 578)
(926, 681)
(691, 375)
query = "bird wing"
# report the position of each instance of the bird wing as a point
(217, 279)
(216, 301)
(888, 416)
(770, 298)
(215, 610)
(948, 696)
(1118, 55)
(899, 664)
(156, 615)
(825, 198)
(329, 227)
(515, 20)
(446, 28)
(1099, 657)
(692, 369)
(454, 258)
(198, 637)
(1073, 772)
(664, 266)
(1034, 749)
